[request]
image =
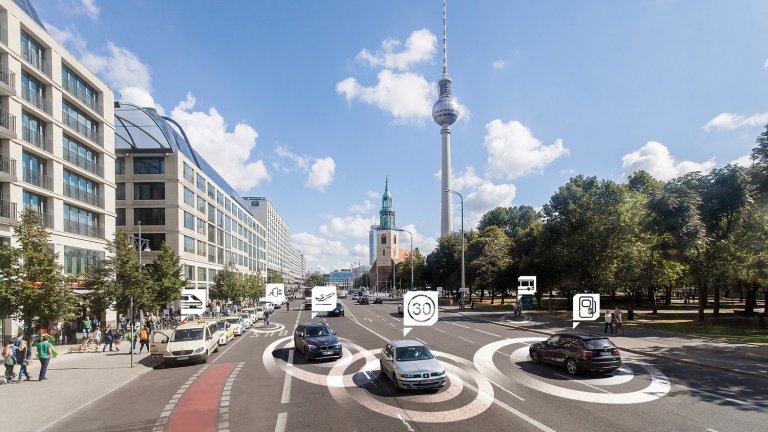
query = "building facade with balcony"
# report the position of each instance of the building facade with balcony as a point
(165, 185)
(57, 151)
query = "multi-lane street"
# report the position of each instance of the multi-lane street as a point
(259, 383)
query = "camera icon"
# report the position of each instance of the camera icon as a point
(586, 307)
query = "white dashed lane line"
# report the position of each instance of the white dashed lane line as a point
(488, 333)
(467, 340)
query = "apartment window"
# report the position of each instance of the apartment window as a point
(79, 121)
(201, 226)
(211, 213)
(78, 88)
(211, 254)
(84, 157)
(33, 131)
(120, 220)
(189, 221)
(227, 204)
(120, 165)
(212, 233)
(35, 202)
(155, 240)
(228, 224)
(202, 274)
(189, 272)
(201, 248)
(227, 241)
(80, 221)
(78, 261)
(201, 204)
(219, 218)
(149, 191)
(119, 191)
(211, 274)
(34, 169)
(219, 198)
(33, 52)
(33, 91)
(219, 237)
(189, 244)
(149, 216)
(189, 173)
(200, 183)
(211, 191)
(80, 188)
(189, 197)
(149, 165)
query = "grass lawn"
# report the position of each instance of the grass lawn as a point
(696, 328)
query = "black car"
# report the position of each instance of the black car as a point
(377, 300)
(307, 304)
(337, 311)
(316, 340)
(578, 353)
(363, 301)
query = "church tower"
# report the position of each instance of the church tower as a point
(384, 244)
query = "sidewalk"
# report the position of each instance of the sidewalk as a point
(74, 381)
(741, 358)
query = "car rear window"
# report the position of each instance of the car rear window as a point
(599, 343)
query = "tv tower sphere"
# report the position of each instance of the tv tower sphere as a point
(446, 110)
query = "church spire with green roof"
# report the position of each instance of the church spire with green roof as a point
(387, 213)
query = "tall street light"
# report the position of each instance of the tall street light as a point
(140, 243)
(463, 281)
(411, 234)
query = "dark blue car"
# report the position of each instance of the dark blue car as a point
(316, 340)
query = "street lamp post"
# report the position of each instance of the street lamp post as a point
(140, 243)
(463, 281)
(411, 234)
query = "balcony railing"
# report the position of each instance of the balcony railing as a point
(36, 99)
(36, 61)
(7, 209)
(91, 101)
(83, 229)
(83, 195)
(80, 128)
(36, 138)
(38, 179)
(7, 77)
(83, 163)
(7, 165)
(7, 120)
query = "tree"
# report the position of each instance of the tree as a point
(315, 279)
(228, 285)
(492, 263)
(34, 284)
(444, 263)
(275, 277)
(254, 286)
(165, 272)
(404, 270)
(759, 171)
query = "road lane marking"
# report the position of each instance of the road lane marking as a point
(405, 422)
(711, 430)
(581, 382)
(501, 404)
(465, 339)
(282, 418)
(717, 396)
(441, 331)
(421, 341)
(488, 333)
(224, 402)
(459, 325)
(287, 383)
(221, 354)
(199, 408)
(391, 324)
(368, 319)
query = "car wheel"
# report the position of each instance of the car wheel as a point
(205, 359)
(395, 383)
(216, 349)
(381, 367)
(306, 357)
(535, 357)
(571, 366)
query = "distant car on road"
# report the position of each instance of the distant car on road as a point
(410, 365)
(307, 304)
(377, 300)
(337, 311)
(577, 353)
(316, 340)
(363, 301)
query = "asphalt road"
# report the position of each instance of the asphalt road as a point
(492, 387)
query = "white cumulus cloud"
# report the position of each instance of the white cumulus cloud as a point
(88, 7)
(348, 226)
(426, 244)
(364, 207)
(419, 47)
(499, 64)
(373, 194)
(654, 158)
(321, 173)
(229, 151)
(319, 253)
(732, 121)
(360, 252)
(486, 197)
(514, 152)
(408, 96)
(744, 160)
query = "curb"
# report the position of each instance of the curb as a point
(634, 351)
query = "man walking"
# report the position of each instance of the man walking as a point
(44, 351)
(608, 322)
(619, 320)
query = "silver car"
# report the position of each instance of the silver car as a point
(410, 365)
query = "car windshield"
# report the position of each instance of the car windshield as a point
(183, 335)
(318, 331)
(233, 320)
(221, 325)
(599, 343)
(413, 353)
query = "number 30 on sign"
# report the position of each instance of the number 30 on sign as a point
(420, 308)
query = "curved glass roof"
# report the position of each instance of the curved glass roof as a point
(145, 129)
(26, 6)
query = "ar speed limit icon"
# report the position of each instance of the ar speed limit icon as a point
(420, 309)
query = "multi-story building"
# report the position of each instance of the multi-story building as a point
(282, 257)
(57, 152)
(177, 197)
(342, 278)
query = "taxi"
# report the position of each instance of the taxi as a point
(188, 343)
(227, 331)
(237, 323)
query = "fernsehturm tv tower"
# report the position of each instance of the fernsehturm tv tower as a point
(445, 112)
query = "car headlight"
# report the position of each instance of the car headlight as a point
(199, 350)
(441, 373)
(338, 344)
(167, 353)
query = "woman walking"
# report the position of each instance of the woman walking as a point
(23, 355)
(97, 335)
(9, 361)
(44, 352)
(108, 336)
(144, 339)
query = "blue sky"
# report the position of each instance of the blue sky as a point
(313, 103)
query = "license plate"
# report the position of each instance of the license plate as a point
(327, 352)
(604, 354)
(182, 358)
(428, 382)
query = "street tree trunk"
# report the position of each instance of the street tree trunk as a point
(702, 295)
(716, 310)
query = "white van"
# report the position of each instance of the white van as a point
(267, 304)
(190, 343)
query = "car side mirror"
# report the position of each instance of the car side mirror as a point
(165, 340)
(333, 332)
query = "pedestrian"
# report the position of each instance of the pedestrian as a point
(73, 332)
(171, 312)
(87, 327)
(118, 336)
(9, 361)
(95, 322)
(144, 339)
(97, 335)
(619, 320)
(65, 332)
(23, 355)
(44, 353)
(108, 338)
(266, 318)
(608, 322)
